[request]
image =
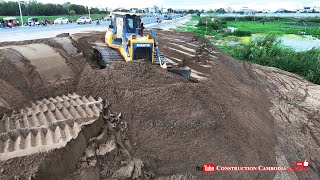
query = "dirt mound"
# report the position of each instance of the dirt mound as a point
(63, 35)
(212, 119)
(62, 124)
(85, 41)
(169, 125)
(176, 125)
(41, 68)
(10, 97)
(118, 79)
(49, 64)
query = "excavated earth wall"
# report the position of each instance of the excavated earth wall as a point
(51, 124)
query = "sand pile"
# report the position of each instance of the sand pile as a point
(168, 126)
(177, 125)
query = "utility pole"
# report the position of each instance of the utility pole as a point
(206, 27)
(20, 13)
(89, 11)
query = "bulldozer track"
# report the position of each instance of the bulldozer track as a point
(47, 124)
(163, 60)
(104, 55)
(107, 55)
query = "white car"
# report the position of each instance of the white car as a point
(61, 20)
(107, 18)
(84, 20)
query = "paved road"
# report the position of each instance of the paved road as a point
(37, 32)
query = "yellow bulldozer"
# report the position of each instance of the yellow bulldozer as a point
(125, 42)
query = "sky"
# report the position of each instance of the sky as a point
(194, 4)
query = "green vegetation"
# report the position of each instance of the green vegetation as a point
(239, 33)
(33, 8)
(198, 25)
(52, 18)
(275, 25)
(271, 19)
(279, 28)
(265, 49)
(212, 24)
(260, 25)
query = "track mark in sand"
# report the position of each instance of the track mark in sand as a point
(176, 59)
(50, 65)
(183, 47)
(171, 61)
(182, 52)
(3, 103)
(194, 45)
(47, 124)
(206, 65)
(181, 41)
(198, 75)
(173, 39)
(295, 106)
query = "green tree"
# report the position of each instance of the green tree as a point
(95, 10)
(191, 11)
(221, 11)
(33, 8)
(79, 9)
(72, 12)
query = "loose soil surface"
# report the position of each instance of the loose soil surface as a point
(230, 113)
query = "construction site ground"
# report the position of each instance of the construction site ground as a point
(230, 113)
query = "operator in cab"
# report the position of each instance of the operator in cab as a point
(141, 29)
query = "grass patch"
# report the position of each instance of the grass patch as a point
(267, 51)
(188, 26)
(279, 28)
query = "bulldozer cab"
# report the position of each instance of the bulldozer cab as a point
(125, 25)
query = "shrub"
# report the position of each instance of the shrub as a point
(268, 51)
(213, 24)
(240, 33)
(72, 12)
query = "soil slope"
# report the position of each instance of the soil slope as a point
(228, 114)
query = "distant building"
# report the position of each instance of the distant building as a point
(133, 10)
(154, 10)
(280, 11)
(314, 9)
(145, 10)
(229, 10)
(308, 9)
(267, 11)
(164, 10)
(247, 11)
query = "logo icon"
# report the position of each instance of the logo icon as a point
(300, 166)
(143, 45)
(208, 168)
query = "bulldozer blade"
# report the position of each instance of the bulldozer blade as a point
(185, 72)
